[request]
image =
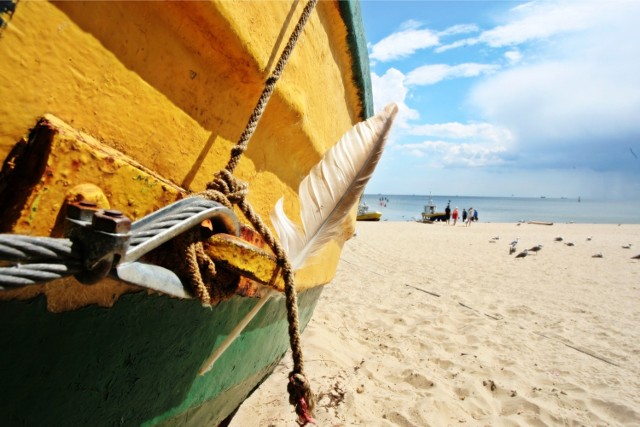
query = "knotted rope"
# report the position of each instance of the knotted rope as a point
(225, 189)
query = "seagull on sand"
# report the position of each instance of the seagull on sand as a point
(522, 254)
(558, 239)
(627, 246)
(598, 255)
(535, 249)
(636, 257)
(512, 246)
(570, 244)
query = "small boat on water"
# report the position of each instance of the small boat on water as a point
(364, 214)
(430, 214)
(123, 299)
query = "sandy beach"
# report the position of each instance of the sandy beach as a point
(435, 325)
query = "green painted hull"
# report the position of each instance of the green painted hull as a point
(136, 363)
(116, 71)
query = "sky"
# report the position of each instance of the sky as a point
(508, 98)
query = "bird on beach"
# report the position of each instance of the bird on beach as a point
(535, 249)
(558, 239)
(598, 255)
(627, 246)
(512, 246)
(522, 254)
(570, 244)
(636, 257)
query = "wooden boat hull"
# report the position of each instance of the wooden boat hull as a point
(136, 362)
(147, 99)
(369, 216)
(438, 216)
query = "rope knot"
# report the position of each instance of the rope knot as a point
(301, 397)
(234, 190)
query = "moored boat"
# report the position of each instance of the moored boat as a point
(134, 106)
(430, 214)
(364, 214)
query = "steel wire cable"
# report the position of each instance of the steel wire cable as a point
(35, 259)
(31, 274)
(20, 248)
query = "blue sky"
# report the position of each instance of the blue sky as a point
(501, 98)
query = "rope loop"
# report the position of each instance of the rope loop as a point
(227, 190)
(197, 265)
(224, 182)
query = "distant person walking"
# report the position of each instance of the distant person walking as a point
(475, 215)
(447, 212)
(454, 215)
(464, 216)
(469, 217)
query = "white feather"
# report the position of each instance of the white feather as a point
(332, 187)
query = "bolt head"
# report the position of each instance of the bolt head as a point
(113, 213)
(82, 210)
(111, 221)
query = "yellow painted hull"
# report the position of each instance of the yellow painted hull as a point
(170, 86)
(369, 216)
(138, 104)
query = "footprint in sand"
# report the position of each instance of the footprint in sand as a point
(398, 418)
(613, 413)
(443, 363)
(417, 380)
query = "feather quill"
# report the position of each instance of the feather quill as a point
(332, 187)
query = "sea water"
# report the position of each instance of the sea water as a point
(510, 209)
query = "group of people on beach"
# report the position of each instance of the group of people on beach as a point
(467, 217)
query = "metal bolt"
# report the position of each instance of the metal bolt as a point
(82, 210)
(113, 213)
(111, 221)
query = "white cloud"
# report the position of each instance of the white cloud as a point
(513, 56)
(456, 44)
(431, 74)
(403, 43)
(459, 145)
(541, 21)
(577, 104)
(485, 132)
(564, 119)
(459, 29)
(388, 88)
(544, 19)
(410, 24)
(446, 154)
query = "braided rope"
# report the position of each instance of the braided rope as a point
(243, 142)
(225, 189)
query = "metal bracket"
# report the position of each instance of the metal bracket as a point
(99, 237)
